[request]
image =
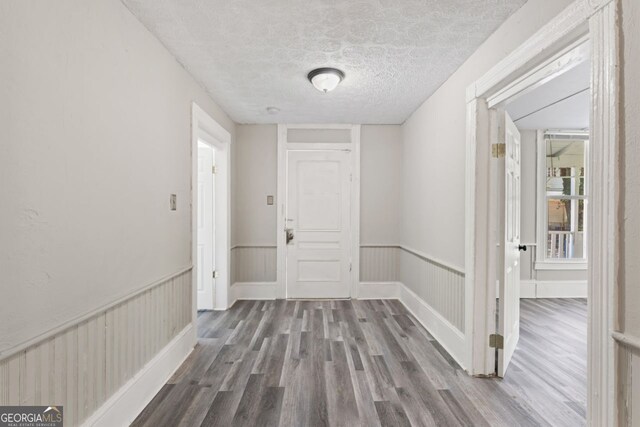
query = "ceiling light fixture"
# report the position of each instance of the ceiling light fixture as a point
(325, 79)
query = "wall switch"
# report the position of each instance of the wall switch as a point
(270, 200)
(172, 202)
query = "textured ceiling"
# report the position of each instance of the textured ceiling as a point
(252, 54)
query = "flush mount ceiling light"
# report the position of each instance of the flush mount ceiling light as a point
(325, 79)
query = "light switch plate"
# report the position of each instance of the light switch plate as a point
(172, 202)
(270, 200)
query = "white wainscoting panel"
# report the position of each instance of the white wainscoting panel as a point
(379, 290)
(81, 366)
(253, 291)
(628, 354)
(448, 336)
(379, 263)
(440, 286)
(634, 387)
(253, 263)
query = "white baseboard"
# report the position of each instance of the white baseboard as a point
(450, 337)
(527, 289)
(379, 290)
(267, 291)
(125, 405)
(253, 290)
(553, 289)
(561, 289)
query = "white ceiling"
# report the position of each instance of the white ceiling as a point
(252, 54)
(561, 103)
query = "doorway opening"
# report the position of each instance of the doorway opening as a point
(542, 196)
(210, 227)
(541, 237)
(581, 30)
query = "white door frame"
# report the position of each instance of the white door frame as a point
(283, 146)
(525, 67)
(206, 129)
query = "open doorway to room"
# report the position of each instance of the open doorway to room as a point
(540, 197)
(210, 183)
(541, 306)
(580, 36)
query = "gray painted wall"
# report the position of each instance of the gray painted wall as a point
(256, 177)
(97, 114)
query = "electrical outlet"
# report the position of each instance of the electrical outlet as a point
(269, 200)
(172, 202)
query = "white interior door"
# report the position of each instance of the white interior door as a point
(205, 247)
(317, 217)
(509, 292)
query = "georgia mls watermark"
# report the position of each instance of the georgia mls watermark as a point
(31, 416)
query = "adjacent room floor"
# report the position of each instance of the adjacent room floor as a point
(313, 363)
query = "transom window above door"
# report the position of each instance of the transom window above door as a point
(562, 200)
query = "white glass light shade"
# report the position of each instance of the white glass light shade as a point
(326, 79)
(325, 82)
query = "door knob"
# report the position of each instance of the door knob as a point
(289, 232)
(522, 248)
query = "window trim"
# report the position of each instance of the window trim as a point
(541, 260)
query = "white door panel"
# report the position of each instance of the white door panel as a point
(318, 214)
(509, 292)
(205, 256)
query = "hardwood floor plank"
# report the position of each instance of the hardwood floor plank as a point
(341, 400)
(368, 363)
(246, 414)
(364, 400)
(458, 411)
(469, 406)
(222, 410)
(316, 386)
(294, 409)
(143, 417)
(391, 415)
(270, 407)
(199, 407)
(218, 369)
(413, 408)
(275, 362)
(174, 405)
(431, 400)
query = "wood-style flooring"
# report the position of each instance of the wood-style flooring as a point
(368, 363)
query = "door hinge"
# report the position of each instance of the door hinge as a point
(351, 177)
(496, 341)
(350, 266)
(215, 274)
(213, 169)
(498, 150)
